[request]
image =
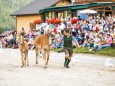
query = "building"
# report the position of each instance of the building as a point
(109, 8)
(101, 6)
(26, 15)
(41, 9)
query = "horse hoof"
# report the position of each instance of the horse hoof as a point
(45, 67)
(21, 66)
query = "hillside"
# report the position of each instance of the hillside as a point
(6, 8)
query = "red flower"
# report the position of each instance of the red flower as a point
(50, 21)
(57, 21)
(39, 21)
(73, 21)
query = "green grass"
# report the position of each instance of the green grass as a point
(106, 51)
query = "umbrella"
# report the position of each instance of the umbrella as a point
(39, 26)
(88, 11)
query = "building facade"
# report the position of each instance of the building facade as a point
(104, 9)
(26, 15)
(43, 9)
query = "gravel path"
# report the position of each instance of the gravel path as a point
(85, 73)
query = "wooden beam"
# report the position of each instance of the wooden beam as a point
(90, 1)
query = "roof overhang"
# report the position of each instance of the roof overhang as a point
(76, 7)
(25, 14)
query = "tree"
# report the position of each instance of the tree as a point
(6, 8)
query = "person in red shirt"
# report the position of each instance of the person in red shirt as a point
(55, 29)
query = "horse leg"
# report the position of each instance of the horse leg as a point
(43, 54)
(44, 57)
(48, 53)
(27, 59)
(22, 59)
(36, 55)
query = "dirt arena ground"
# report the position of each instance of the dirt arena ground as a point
(80, 74)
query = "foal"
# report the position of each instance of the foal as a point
(24, 51)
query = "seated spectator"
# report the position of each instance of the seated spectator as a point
(31, 43)
(5, 41)
(102, 39)
(82, 35)
(56, 42)
(87, 41)
(113, 44)
(96, 42)
(107, 44)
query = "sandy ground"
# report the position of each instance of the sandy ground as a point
(80, 74)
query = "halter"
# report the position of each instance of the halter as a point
(21, 39)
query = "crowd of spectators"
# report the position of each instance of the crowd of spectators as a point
(96, 32)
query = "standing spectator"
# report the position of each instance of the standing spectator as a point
(0, 43)
(14, 40)
(22, 32)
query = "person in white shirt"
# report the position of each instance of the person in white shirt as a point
(10, 37)
(62, 27)
(0, 43)
(96, 40)
(10, 40)
(103, 22)
(59, 28)
(101, 27)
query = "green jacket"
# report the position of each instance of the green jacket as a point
(68, 42)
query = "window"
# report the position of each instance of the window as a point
(107, 8)
(65, 14)
(53, 15)
(50, 14)
(60, 15)
(46, 15)
(100, 8)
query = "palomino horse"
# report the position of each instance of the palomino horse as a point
(42, 43)
(24, 51)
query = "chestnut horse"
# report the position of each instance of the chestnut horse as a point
(42, 43)
(23, 46)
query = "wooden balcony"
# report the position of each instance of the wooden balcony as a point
(90, 1)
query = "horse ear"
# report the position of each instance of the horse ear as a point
(50, 29)
(24, 38)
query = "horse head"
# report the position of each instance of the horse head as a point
(21, 40)
(50, 32)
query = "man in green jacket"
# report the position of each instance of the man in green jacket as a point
(68, 48)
